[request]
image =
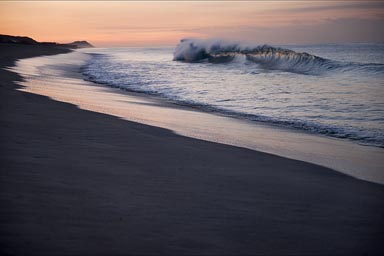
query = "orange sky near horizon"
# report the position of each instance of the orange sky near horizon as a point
(134, 23)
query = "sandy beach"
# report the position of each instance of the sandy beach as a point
(76, 182)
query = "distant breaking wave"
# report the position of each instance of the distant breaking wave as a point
(268, 57)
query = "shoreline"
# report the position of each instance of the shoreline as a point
(227, 114)
(359, 161)
(80, 182)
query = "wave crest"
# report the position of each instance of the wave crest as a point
(195, 50)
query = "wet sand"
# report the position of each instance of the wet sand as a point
(59, 77)
(79, 182)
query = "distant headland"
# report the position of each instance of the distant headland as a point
(8, 39)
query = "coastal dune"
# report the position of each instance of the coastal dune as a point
(79, 182)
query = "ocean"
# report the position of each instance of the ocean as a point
(333, 90)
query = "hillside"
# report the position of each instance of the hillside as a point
(8, 39)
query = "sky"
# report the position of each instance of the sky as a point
(160, 23)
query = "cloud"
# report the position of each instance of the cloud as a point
(343, 6)
(330, 31)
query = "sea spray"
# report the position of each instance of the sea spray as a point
(268, 57)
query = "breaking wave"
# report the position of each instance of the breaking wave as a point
(266, 56)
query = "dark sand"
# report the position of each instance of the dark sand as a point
(75, 182)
